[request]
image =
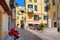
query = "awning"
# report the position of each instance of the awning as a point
(35, 22)
(5, 6)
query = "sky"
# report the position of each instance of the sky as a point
(20, 2)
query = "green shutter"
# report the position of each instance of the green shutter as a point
(11, 4)
(35, 7)
(9, 23)
(45, 17)
(34, 17)
(12, 1)
(49, 6)
(46, 8)
(30, 0)
(35, 0)
(46, 1)
(39, 18)
(53, 2)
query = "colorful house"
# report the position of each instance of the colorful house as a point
(36, 13)
(20, 15)
(52, 13)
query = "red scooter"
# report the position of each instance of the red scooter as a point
(15, 33)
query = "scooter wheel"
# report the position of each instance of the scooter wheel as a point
(10, 34)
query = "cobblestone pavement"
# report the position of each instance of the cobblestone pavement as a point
(26, 35)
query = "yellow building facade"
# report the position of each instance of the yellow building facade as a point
(52, 13)
(20, 15)
(40, 11)
(35, 12)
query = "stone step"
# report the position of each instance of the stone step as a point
(51, 30)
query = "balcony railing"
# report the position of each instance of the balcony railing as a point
(30, 9)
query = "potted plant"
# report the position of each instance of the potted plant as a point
(41, 25)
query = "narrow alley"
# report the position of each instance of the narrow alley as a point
(26, 35)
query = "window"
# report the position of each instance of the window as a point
(35, 7)
(22, 11)
(17, 17)
(36, 17)
(35, 0)
(23, 17)
(45, 1)
(11, 4)
(39, 18)
(46, 8)
(53, 2)
(30, 0)
(54, 13)
(30, 6)
(45, 17)
(17, 11)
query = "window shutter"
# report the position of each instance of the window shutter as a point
(46, 8)
(46, 1)
(12, 3)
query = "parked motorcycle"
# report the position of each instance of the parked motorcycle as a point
(14, 33)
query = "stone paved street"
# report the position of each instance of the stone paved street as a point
(47, 34)
(26, 35)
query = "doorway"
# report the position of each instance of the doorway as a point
(22, 24)
(55, 24)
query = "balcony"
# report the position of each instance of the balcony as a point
(20, 12)
(30, 10)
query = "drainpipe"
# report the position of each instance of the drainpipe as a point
(41, 11)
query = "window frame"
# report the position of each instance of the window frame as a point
(30, 5)
(35, 0)
(35, 7)
(53, 2)
(46, 1)
(35, 16)
(45, 17)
